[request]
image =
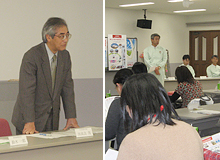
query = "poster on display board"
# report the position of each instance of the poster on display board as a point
(117, 50)
(131, 51)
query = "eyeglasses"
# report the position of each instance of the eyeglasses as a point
(64, 36)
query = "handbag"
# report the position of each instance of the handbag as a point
(205, 100)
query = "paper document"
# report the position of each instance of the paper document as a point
(111, 154)
(212, 143)
(151, 69)
(4, 141)
(48, 136)
(206, 112)
(97, 129)
(70, 132)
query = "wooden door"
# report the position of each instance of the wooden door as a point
(203, 44)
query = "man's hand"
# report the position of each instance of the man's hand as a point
(71, 123)
(29, 128)
(157, 70)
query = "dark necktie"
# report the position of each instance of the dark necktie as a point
(53, 70)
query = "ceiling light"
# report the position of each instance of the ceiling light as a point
(136, 4)
(175, 1)
(194, 10)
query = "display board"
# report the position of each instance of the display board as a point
(106, 55)
(115, 59)
(117, 50)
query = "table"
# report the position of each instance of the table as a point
(207, 83)
(212, 92)
(207, 124)
(56, 149)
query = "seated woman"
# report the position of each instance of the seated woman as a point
(114, 127)
(139, 67)
(188, 88)
(154, 134)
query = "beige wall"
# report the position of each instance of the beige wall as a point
(21, 24)
(208, 19)
(172, 28)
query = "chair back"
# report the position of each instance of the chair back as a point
(4, 128)
(108, 102)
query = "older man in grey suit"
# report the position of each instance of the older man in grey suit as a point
(45, 76)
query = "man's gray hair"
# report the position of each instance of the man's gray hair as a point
(154, 35)
(51, 26)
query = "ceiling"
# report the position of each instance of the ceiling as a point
(162, 6)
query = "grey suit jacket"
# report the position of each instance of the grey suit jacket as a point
(35, 98)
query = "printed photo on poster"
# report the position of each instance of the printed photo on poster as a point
(131, 51)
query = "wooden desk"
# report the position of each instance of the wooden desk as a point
(66, 148)
(207, 124)
(207, 83)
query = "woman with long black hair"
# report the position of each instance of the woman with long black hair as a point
(188, 88)
(154, 135)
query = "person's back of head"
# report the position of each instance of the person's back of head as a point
(145, 97)
(121, 76)
(139, 67)
(183, 75)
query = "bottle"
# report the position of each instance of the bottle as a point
(108, 94)
(218, 85)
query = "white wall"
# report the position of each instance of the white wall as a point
(204, 18)
(22, 22)
(172, 28)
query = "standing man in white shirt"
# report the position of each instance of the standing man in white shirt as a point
(155, 57)
(213, 70)
(186, 60)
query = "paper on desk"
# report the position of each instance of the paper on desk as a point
(97, 129)
(206, 112)
(94, 129)
(70, 132)
(203, 77)
(151, 69)
(47, 136)
(212, 143)
(4, 141)
(111, 154)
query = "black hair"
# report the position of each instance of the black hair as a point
(215, 56)
(186, 56)
(121, 76)
(139, 67)
(144, 95)
(184, 75)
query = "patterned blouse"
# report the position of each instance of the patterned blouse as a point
(189, 91)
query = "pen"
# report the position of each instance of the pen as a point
(43, 134)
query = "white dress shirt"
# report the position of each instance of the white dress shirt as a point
(213, 71)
